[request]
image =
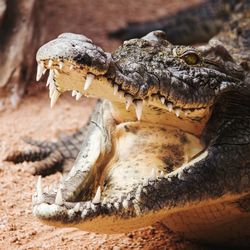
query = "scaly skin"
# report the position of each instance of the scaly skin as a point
(186, 163)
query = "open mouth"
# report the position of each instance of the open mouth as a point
(108, 184)
(138, 140)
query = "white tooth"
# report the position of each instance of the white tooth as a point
(71, 67)
(120, 199)
(50, 63)
(52, 88)
(104, 202)
(93, 207)
(39, 189)
(77, 207)
(54, 98)
(115, 89)
(129, 101)
(139, 189)
(50, 78)
(125, 204)
(44, 71)
(170, 106)
(84, 213)
(59, 199)
(40, 69)
(74, 93)
(78, 96)
(128, 197)
(116, 204)
(138, 109)
(109, 206)
(89, 80)
(97, 198)
(71, 212)
(61, 65)
(88, 205)
(161, 174)
(177, 112)
(145, 182)
(152, 175)
(163, 99)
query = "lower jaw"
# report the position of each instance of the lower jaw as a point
(139, 158)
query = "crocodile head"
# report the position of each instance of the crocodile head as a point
(146, 79)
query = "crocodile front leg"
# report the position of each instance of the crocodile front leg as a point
(49, 157)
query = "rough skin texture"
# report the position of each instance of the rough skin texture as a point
(200, 96)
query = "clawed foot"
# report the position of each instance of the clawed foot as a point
(46, 157)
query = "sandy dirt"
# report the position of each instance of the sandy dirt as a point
(34, 118)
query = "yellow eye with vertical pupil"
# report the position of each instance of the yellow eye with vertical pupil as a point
(191, 58)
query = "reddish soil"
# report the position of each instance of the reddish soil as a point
(34, 118)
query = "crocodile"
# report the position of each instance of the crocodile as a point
(168, 141)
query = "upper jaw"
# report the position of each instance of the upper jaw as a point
(67, 74)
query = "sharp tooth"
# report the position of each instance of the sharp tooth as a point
(61, 65)
(138, 192)
(44, 71)
(89, 80)
(39, 189)
(77, 207)
(50, 78)
(163, 99)
(54, 98)
(88, 205)
(93, 207)
(115, 89)
(152, 175)
(116, 204)
(170, 106)
(125, 204)
(161, 174)
(59, 199)
(40, 69)
(84, 213)
(128, 197)
(129, 100)
(138, 109)
(177, 112)
(71, 67)
(78, 96)
(74, 93)
(104, 202)
(52, 88)
(97, 198)
(145, 182)
(50, 63)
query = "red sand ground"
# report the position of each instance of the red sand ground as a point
(34, 118)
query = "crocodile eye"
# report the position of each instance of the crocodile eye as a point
(191, 58)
